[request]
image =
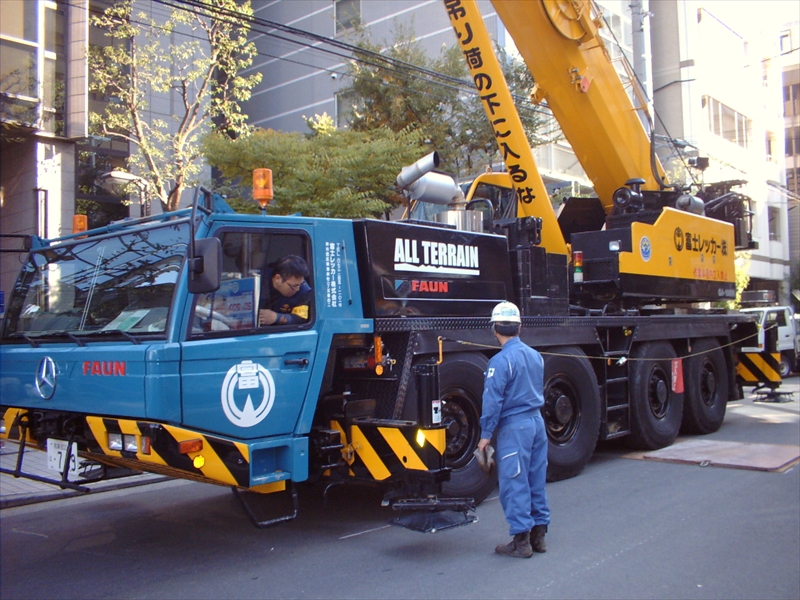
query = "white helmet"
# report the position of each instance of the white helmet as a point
(506, 312)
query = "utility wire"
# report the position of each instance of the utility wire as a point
(351, 52)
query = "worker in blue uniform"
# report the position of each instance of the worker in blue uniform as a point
(285, 294)
(512, 402)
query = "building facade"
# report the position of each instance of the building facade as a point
(790, 59)
(717, 88)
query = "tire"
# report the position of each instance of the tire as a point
(461, 392)
(785, 367)
(656, 410)
(571, 411)
(705, 380)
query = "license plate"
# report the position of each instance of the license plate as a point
(57, 455)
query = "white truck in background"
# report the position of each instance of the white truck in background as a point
(788, 325)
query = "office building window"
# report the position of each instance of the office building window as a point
(792, 141)
(786, 41)
(32, 70)
(791, 100)
(774, 216)
(726, 122)
(347, 14)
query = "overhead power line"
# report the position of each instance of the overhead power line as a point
(346, 51)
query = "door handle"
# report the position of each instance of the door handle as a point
(303, 362)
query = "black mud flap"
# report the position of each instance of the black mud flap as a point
(266, 510)
(429, 515)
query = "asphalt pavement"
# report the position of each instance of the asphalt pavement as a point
(19, 491)
(632, 525)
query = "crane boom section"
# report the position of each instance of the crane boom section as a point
(532, 196)
(561, 46)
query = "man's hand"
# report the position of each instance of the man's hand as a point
(483, 443)
(267, 317)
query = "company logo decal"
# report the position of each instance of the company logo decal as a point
(645, 248)
(695, 242)
(422, 256)
(434, 287)
(247, 379)
(105, 367)
(46, 378)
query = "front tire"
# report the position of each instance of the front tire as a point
(706, 390)
(656, 410)
(571, 411)
(461, 391)
(785, 368)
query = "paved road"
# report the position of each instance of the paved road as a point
(624, 528)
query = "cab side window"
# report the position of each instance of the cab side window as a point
(258, 289)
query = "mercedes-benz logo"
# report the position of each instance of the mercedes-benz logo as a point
(46, 378)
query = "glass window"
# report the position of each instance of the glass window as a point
(347, 14)
(786, 41)
(18, 19)
(266, 281)
(18, 68)
(99, 288)
(774, 215)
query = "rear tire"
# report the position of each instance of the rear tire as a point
(706, 388)
(571, 411)
(656, 410)
(461, 391)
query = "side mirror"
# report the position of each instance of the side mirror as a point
(205, 266)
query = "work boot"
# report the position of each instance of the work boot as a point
(537, 538)
(519, 547)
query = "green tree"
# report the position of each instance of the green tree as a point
(440, 99)
(327, 173)
(203, 71)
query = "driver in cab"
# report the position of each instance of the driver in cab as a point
(285, 295)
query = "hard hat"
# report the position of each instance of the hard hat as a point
(506, 312)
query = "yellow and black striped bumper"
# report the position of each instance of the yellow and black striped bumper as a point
(381, 449)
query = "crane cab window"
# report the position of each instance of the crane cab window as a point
(266, 286)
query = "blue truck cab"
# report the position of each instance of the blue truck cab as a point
(138, 345)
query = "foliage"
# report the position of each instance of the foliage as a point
(143, 60)
(327, 173)
(742, 275)
(450, 115)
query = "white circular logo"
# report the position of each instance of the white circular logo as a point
(249, 377)
(645, 248)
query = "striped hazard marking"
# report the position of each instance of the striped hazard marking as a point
(217, 461)
(380, 452)
(761, 367)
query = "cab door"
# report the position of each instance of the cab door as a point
(240, 379)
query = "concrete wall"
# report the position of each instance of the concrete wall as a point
(299, 81)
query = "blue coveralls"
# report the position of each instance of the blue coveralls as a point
(512, 402)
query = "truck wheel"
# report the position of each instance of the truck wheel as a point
(656, 411)
(706, 388)
(461, 391)
(786, 366)
(571, 411)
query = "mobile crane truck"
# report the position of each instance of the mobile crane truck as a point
(137, 345)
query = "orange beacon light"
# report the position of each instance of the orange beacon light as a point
(262, 187)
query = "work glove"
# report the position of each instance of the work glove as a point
(485, 459)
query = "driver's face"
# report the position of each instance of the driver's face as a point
(288, 286)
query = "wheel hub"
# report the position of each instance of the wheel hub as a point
(564, 411)
(709, 385)
(659, 394)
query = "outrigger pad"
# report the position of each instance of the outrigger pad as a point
(429, 515)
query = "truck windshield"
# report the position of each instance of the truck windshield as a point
(98, 287)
